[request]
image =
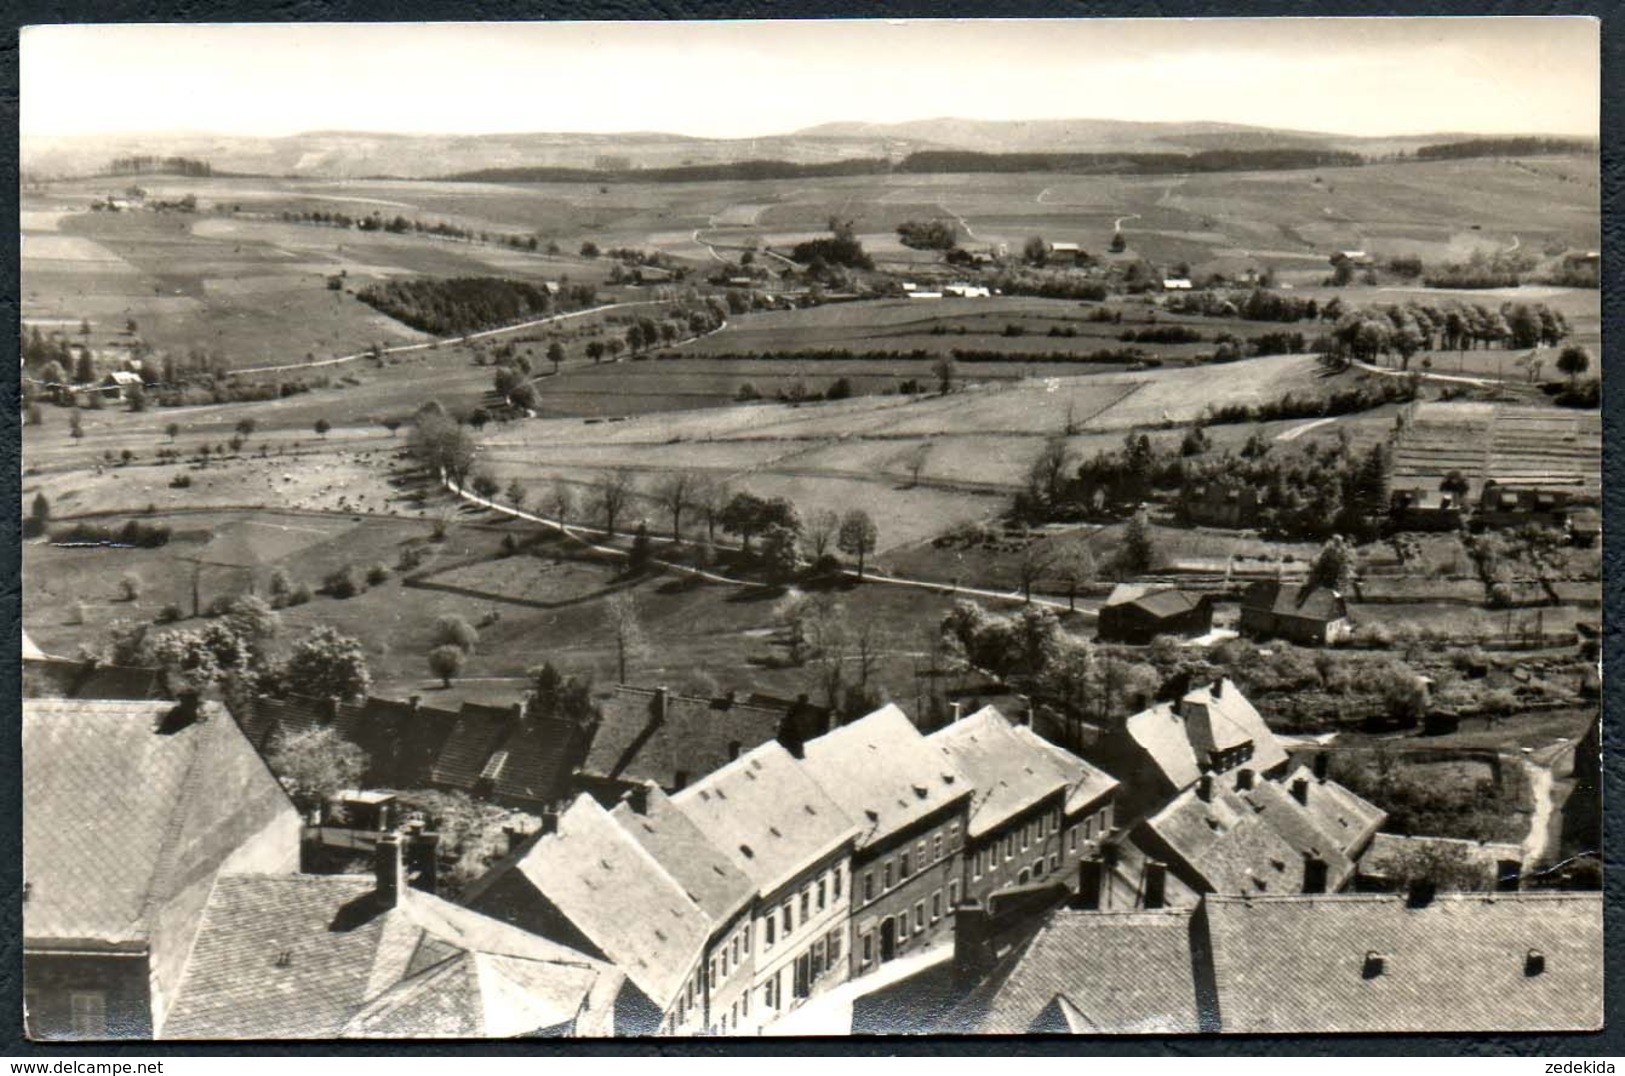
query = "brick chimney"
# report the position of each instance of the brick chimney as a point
(422, 857)
(187, 711)
(1375, 964)
(1316, 874)
(957, 708)
(1420, 894)
(1322, 764)
(518, 711)
(1534, 963)
(1300, 791)
(1091, 875)
(388, 870)
(1204, 788)
(1156, 884)
(974, 952)
(414, 702)
(662, 702)
(550, 822)
(637, 798)
(512, 838)
(1244, 780)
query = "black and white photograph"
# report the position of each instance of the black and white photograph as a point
(766, 529)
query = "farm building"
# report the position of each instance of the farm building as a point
(1066, 253)
(1308, 614)
(1219, 505)
(1425, 510)
(118, 383)
(1176, 283)
(1137, 614)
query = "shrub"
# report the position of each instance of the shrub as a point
(169, 614)
(446, 662)
(377, 574)
(181, 481)
(345, 582)
(299, 595)
(452, 630)
(410, 558)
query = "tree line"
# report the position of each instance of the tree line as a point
(449, 307)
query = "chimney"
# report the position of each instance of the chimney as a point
(958, 709)
(1534, 963)
(387, 870)
(662, 702)
(1375, 964)
(974, 952)
(1300, 791)
(1316, 874)
(1420, 894)
(1156, 884)
(1244, 780)
(413, 702)
(1508, 875)
(187, 711)
(422, 857)
(1323, 762)
(1091, 875)
(518, 711)
(1218, 688)
(734, 747)
(513, 837)
(637, 798)
(679, 778)
(1204, 788)
(550, 822)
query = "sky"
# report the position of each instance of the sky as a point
(740, 79)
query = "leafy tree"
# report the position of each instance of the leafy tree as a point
(246, 426)
(1073, 567)
(1334, 564)
(744, 515)
(39, 512)
(1138, 553)
(561, 500)
(446, 662)
(316, 765)
(555, 355)
(328, 664)
(779, 556)
(1033, 564)
(1035, 250)
(642, 552)
(322, 426)
(516, 494)
(1574, 361)
(595, 351)
(857, 536)
(173, 429)
(589, 249)
(486, 485)
(130, 586)
(450, 629)
(819, 534)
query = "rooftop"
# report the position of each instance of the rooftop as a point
(1010, 772)
(1506, 962)
(1221, 714)
(126, 803)
(1307, 602)
(707, 875)
(1228, 844)
(636, 741)
(767, 815)
(315, 956)
(885, 775)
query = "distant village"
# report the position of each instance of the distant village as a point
(741, 865)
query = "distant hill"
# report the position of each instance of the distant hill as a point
(356, 154)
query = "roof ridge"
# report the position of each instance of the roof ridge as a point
(169, 847)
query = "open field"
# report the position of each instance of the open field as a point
(1523, 447)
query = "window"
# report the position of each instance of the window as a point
(817, 964)
(787, 919)
(837, 881)
(976, 865)
(1074, 837)
(936, 847)
(770, 993)
(746, 935)
(770, 927)
(919, 853)
(1105, 818)
(1055, 861)
(1041, 821)
(88, 1009)
(744, 1003)
(1024, 877)
(936, 906)
(902, 875)
(736, 949)
(835, 947)
(1089, 828)
(806, 905)
(1009, 847)
(919, 916)
(885, 878)
(802, 983)
(1038, 867)
(1025, 841)
(868, 885)
(868, 949)
(953, 894)
(953, 833)
(711, 971)
(821, 894)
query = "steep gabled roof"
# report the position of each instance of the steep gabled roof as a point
(1164, 732)
(1460, 963)
(635, 742)
(709, 877)
(766, 814)
(1009, 772)
(1087, 784)
(614, 892)
(1088, 972)
(536, 759)
(1227, 844)
(883, 773)
(61, 678)
(1160, 602)
(120, 814)
(1308, 601)
(314, 956)
(474, 738)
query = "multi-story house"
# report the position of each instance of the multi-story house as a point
(131, 811)
(794, 843)
(911, 805)
(1037, 808)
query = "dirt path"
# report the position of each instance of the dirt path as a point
(1540, 790)
(1298, 431)
(1455, 378)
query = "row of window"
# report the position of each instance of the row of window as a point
(901, 931)
(987, 860)
(821, 958)
(910, 862)
(812, 900)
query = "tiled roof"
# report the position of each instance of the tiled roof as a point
(402, 739)
(1307, 601)
(1166, 733)
(120, 815)
(313, 956)
(1461, 963)
(1160, 602)
(883, 773)
(474, 737)
(767, 815)
(1086, 783)
(1228, 844)
(1111, 973)
(1010, 774)
(1351, 820)
(634, 743)
(1304, 830)
(536, 760)
(616, 894)
(267, 721)
(707, 875)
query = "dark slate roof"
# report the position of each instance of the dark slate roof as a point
(267, 721)
(1228, 844)
(883, 773)
(1165, 734)
(474, 738)
(1296, 965)
(1160, 602)
(632, 743)
(533, 763)
(1088, 972)
(313, 956)
(1308, 601)
(402, 739)
(119, 815)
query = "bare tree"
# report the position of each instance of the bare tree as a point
(621, 613)
(1035, 562)
(858, 536)
(869, 640)
(711, 497)
(676, 493)
(1074, 567)
(561, 501)
(915, 462)
(611, 494)
(819, 533)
